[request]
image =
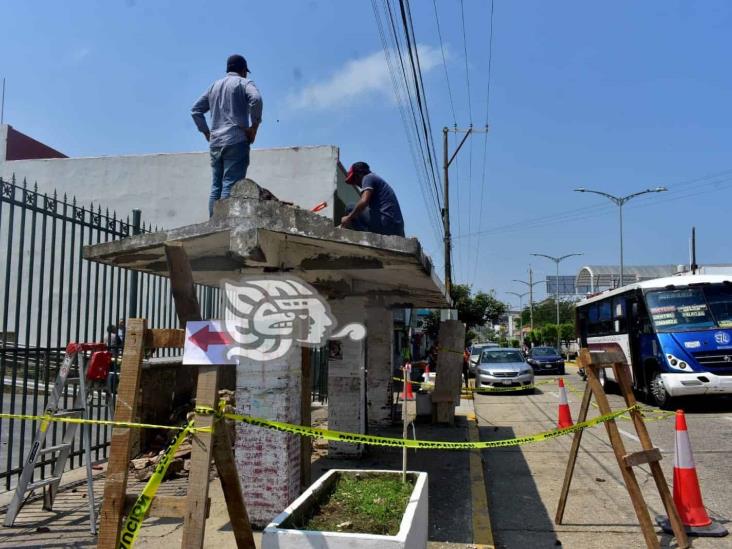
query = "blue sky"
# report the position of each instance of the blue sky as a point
(615, 96)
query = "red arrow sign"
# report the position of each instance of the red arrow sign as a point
(204, 338)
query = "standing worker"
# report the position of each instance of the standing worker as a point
(236, 112)
(378, 209)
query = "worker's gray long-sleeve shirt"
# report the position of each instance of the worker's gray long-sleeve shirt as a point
(233, 100)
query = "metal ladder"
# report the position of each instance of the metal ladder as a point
(75, 356)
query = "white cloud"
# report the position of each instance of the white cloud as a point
(360, 78)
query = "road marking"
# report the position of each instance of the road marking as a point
(553, 393)
(631, 436)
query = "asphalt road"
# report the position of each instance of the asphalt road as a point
(524, 482)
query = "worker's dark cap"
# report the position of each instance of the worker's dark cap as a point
(358, 168)
(236, 63)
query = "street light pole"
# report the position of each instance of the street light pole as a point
(620, 201)
(557, 261)
(531, 285)
(521, 310)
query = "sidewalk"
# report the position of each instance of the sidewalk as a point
(454, 488)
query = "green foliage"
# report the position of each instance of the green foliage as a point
(549, 334)
(567, 332)
(545, 312)
(432, 324)
(515, 343)
(535, 337)
(475, 310)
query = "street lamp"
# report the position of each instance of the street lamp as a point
(521, 310)
(557, 260)
(619, 201)
(531, 285)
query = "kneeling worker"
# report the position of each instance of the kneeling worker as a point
(378, 209)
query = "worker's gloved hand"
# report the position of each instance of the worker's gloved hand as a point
(345, 222)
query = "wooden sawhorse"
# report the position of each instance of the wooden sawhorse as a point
(592, 362)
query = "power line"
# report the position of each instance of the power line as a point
(413, 148)
(465, 49)
(444, 64)
(485, 142)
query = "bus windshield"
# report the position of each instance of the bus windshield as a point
(693, 308)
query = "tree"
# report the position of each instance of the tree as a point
(545, 312)
(478, 309)
(567, 332)
(549, 334)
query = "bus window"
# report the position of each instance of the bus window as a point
(620, 319)
(605, 317)
(593, 326)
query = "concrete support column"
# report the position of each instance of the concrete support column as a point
(347, 379)
(268, 461)
(446, 395)
(379, 367)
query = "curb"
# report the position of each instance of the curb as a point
(482, 530)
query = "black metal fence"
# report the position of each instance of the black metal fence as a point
(50, 296)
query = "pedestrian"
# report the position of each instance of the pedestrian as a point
(378, 209)
(466, 370)
(236, 112)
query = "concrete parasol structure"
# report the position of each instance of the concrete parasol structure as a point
(362, 275)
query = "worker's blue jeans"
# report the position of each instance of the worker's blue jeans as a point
(374, 223)
(229, 164)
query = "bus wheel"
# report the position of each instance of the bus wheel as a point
(657, 391)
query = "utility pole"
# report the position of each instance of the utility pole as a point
(557, 260)
(531, 285)
(447, 160)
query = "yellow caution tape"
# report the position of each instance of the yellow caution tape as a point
(356, 438)
(648, 413)
(81, 421)
(133, 524)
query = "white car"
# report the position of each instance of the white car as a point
(475, 351)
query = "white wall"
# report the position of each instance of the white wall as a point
(172, 189)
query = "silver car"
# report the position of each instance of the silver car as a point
(503, 367)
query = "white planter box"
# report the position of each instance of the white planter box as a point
(412, 532)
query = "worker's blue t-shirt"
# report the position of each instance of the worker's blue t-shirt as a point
(383, 203)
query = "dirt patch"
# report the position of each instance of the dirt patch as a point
(369, 503)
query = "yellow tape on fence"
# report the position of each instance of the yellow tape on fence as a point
(133, 524)
(356, 438)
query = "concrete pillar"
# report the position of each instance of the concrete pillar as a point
(379, 367)
(446, 396)
(268, 461)
(346, 379)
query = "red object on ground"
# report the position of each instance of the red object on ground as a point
(687, 494)
(565, 416)
(319, 206)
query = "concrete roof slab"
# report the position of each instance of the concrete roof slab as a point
(253, 232)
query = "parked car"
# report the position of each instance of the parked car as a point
(546, 360)
(475, 351)
(503, 367)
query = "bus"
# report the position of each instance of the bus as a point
(675, 332)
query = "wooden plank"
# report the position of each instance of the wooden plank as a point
(305, 418)
(576, 440)
(233, 494)
(165, 338)
(163, 506)
(616, 441)
(622, 375)
(642, 457)
(115, 485)
(181, 283)
(194, 524)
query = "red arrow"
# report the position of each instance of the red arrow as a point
(205, 338)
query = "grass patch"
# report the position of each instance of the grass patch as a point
(369, 503)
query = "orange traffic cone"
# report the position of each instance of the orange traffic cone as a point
(408, 394)
(565, 416)
(687, 494)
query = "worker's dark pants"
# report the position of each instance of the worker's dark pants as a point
(228, 165)
(374, 223)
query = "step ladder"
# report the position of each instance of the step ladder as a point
(88, 365)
